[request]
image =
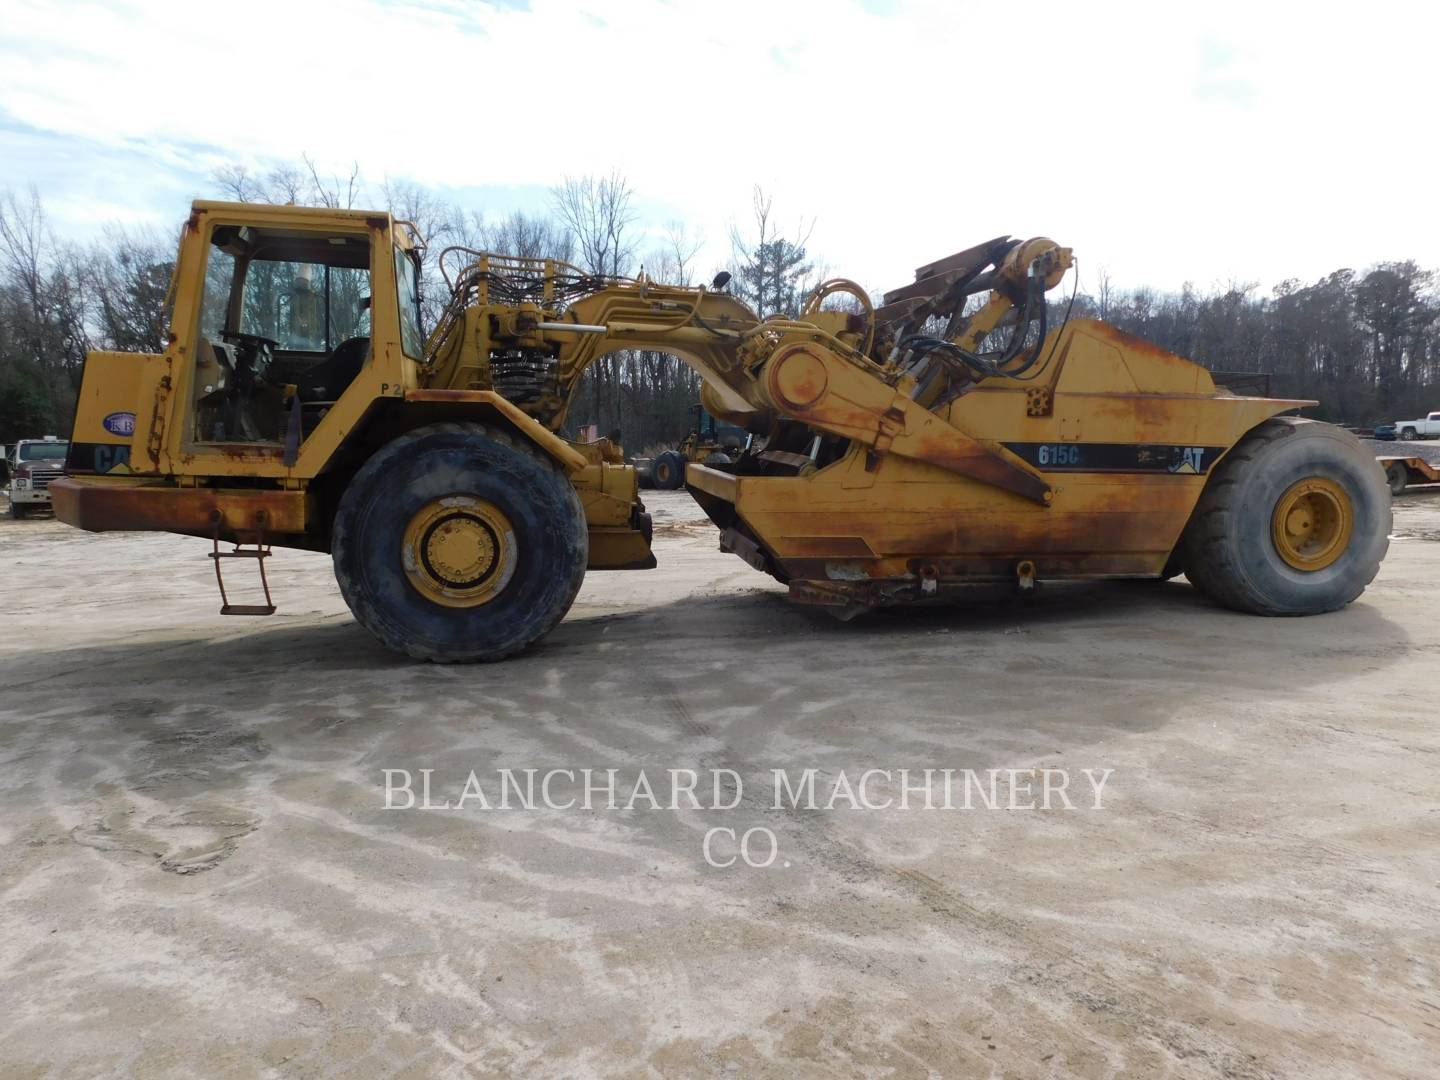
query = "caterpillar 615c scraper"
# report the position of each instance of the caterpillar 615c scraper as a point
(952, 436)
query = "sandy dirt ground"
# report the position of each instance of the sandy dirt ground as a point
(199, 876)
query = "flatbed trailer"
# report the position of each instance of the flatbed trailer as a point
(1402, 471)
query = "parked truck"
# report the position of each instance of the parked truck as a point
(1426, 428)
(31, 466)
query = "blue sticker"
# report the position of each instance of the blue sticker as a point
(119, 423)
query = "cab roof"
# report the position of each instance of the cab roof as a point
(309, 215)
(288, 210)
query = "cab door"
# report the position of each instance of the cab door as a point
(283, 329)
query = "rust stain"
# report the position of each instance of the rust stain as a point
(798, 379)
(1160, 412)
(105, 507)
(245, 453)
(1125, 340)
(979, 464)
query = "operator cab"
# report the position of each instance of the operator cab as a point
(284, 329)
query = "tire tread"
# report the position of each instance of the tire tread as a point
(1207, 552)
(377, 462)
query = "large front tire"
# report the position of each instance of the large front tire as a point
(1294, 521)
(459, 543)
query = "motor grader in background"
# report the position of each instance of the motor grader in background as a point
(947, 438)
(709, 443)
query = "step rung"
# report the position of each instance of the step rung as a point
(259, 553)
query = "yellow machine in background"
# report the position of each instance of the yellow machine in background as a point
(708, 443)
(896, 455)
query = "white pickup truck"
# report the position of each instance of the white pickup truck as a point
(1428, 428)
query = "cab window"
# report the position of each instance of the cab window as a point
(305, 306)
(408, 284)
(219, 282)
(285, 316)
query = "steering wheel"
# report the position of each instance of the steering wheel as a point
(253, 354)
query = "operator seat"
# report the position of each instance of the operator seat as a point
(327, 380)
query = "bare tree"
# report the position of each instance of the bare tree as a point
(236, 181)
(772, 270)
(335, 193)
(529, 238)
(287, 185)
(1105, 293)
(128, 277)
(43, 307)
(598, 215)
(673, 260)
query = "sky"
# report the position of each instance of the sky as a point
(1167, 142)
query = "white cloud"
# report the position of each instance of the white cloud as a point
(1201, 141)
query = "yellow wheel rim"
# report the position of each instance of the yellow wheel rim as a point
(1312, 523)
(459, 551)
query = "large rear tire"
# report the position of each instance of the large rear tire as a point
(1294, 521)
(669, 470)
(459, 543)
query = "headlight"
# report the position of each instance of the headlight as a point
(21, 483)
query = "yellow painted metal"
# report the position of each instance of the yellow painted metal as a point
(482, 403)
(459, 551)
(1312, 523)
(932, 486)
(115, 382)
(722, 485)
(610, 496)
(619, 548)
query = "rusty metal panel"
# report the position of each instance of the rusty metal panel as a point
(936, 277)
(106, 505)
(972, 257)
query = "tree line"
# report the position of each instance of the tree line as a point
(1366, 344)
